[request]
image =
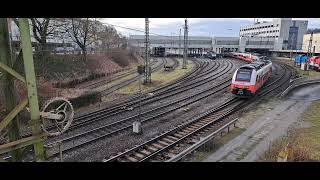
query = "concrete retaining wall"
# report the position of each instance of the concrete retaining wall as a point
(300, 82)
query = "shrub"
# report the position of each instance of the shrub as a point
(86, 99)
(120, 57)
(72, 83)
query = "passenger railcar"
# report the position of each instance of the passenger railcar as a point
(249, 78)
(314, 63)
(244, 56)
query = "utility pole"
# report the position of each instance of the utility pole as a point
(8, 89)
(180, 42)
(309, 53)
(147, 60)
(185, 52)
(314, 50)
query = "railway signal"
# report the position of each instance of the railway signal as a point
(305, 65)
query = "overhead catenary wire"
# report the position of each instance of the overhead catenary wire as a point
(134, 29)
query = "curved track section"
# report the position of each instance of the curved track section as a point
(81, 139)
(171, 143)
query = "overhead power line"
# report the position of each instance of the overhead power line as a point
(134, 29)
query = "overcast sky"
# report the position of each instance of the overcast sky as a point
(197, 26)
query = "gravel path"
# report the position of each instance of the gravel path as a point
(249, 145)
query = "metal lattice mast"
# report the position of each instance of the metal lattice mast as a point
(185, 51)
(37, 138)
(180, 42)
(310, 45)
(147, 58)
(31, 86)
(8, 86)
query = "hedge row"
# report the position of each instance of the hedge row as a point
(74, 82)
(86, 99)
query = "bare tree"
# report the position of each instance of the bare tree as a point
(122, 43)
(83, 32)
(42, 28)
(108, 38)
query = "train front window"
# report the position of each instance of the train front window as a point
(243, 76)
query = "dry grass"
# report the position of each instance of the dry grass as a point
(304, 142)
(256, 111)
(311, 73)
(158, 78)
(108, 85)
(213, 145)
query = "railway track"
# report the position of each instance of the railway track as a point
(168, 145)
(130, 80)
(100, 115)
(172, 66)
(197, 68)
(120, 158)
(76, 141)
(123, 128)
(105, 113)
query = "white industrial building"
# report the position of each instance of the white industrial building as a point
(172, 44)
(225, 44)
(315, 45)
(279, 34)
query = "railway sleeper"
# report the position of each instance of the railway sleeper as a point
(173, 138)
(190, 129)
(196, 125)
(131, 158)
(163, 143)
(157, 145)
(206, 120)
(178, 135)
(167, 140)
(182, 133)
(152, 148)
(186, 131)
(145, 152)
(201, 123)
(193, 127)
(140, 156)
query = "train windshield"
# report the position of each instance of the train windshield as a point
(243, 75)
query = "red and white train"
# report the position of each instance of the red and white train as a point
(314, 62)
(244, 56)
(249, 78)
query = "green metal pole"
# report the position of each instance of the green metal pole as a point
(8, 89)
(31, 86)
